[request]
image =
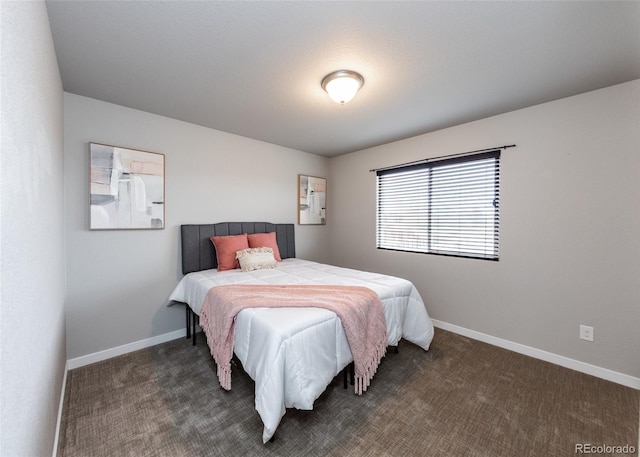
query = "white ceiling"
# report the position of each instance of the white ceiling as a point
(254, 68)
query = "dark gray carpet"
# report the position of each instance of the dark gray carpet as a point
(461, 398)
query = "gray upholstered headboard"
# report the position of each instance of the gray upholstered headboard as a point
(198, 252)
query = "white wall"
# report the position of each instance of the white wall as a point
(570, 228)
(32, 251)
(118, 281)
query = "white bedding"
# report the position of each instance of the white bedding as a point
(292, 354)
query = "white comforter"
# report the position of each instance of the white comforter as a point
(292, 354)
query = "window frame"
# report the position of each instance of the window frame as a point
(422, 217)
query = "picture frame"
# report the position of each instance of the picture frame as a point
(312, 200)
(126, 188)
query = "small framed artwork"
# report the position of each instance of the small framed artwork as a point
(126, 188)
(312, 200)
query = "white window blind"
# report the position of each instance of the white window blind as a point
(448, 207)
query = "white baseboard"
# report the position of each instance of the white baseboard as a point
(60, 405)
(124, 349)
(593, 370)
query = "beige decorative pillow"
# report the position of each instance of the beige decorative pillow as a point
(256, 259)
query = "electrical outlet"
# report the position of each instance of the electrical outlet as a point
(586, 333)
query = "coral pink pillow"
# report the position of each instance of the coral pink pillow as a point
(226, 248)
(267, 240)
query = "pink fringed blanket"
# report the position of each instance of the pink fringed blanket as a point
(359, 309)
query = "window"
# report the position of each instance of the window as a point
(449, 206)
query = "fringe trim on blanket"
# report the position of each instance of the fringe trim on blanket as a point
(218, 352)
(224, 376)
(363, 380)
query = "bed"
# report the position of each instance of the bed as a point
(292, 354)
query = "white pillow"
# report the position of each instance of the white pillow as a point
(256, 259)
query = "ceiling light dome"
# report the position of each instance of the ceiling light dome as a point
(342, 85)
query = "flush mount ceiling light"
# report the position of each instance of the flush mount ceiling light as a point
(342, 85)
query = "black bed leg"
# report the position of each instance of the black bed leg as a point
(187, 312)
(193, 327)
(352, 370)
(395, 349)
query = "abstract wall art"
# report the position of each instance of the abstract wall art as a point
(312, 200)
(126, 188)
